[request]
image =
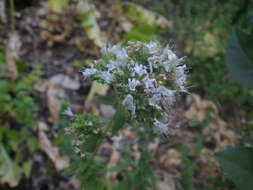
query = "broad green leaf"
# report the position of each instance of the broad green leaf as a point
(237, 164)
(119, 120)
(9, 171)
(58, 6)
(239, 57)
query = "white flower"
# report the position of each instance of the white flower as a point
(155, 101)
(180, 76)
(109, 49)
(68, 112)
(132, 83)
(165, 92)
(88, 72)
(113, 65)
(120, 53)
(152, 47)
(106, 76)
(150, 67)
(169, 54)
(162, 95)
(160, 127)
(128, 102)
(77, 149)
(77, 143)
(139, 70)
(149, 83)
(88, 123)
(154, 59)
(167, 102)
(167, 66)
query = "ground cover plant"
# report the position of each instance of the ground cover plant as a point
(139, 73)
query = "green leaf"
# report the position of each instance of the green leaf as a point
(143, 32)
(9, 171)
(58, 6)
(89, 23)
(237, 164)
(94, 184)
(140, 15)
(239, 57)
(107, 100)
(91, 143)
(27, 167)
(2, 58)
(119, 120)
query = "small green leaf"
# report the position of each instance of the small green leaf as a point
(107, 100)
(239, 57)
(58, 6)
(119, 120)
(237, 164)
(27, 167)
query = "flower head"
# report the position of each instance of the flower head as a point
(113, 65)
(139, 70)
(68, 112)
(88, 72)
(132, 83)
(149, 84)
(147, 76)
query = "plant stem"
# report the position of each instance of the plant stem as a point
(13, 18)
(108, 127)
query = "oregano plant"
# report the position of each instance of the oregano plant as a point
(146, 79)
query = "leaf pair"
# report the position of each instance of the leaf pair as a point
(237, 164)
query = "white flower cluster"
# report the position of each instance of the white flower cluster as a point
(145, 70)
(68, 112)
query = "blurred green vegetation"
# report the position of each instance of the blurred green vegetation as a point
(17, 122)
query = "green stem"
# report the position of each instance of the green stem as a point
(108, 127)
(13, 18)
